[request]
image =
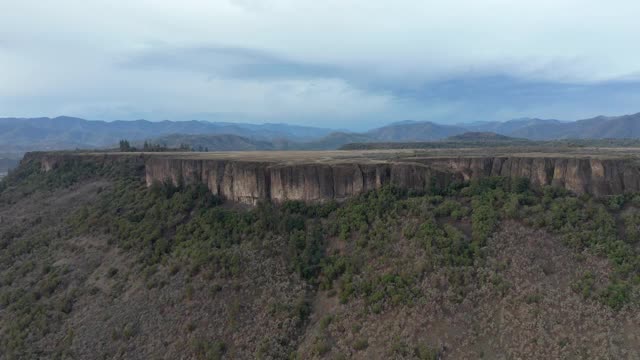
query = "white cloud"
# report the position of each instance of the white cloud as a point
(72, 51)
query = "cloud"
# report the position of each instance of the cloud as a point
(232, 62)
(337, 63)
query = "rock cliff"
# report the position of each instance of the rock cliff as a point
(250, 180)
(596, 176)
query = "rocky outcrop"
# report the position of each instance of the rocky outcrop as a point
(252, 181)
(599, 177)
(249, 182)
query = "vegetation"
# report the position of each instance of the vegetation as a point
(29, 178)
(187, 223)
(125, 146)
(215, 142)
(349, 249)
(151, 147)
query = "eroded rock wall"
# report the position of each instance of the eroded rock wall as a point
(250, 182)
(599, 177)
(253, 181)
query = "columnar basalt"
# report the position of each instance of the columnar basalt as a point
(599, 177)
(253, 179)
(250, 181)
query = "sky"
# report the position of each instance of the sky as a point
(352, 64)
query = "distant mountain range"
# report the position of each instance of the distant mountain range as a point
(25, 134)
(414, 131)
(601, 127)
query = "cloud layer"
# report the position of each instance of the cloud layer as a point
(349, 63)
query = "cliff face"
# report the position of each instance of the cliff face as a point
(249, 182)
(599, 177)
(252, 181)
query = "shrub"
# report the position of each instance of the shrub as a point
(360, 344)
(585, 285)
(209, 350)
(616, 295)
(616, 202)
(425, 352)
(325, 322)
(321, 347)
(129, 330)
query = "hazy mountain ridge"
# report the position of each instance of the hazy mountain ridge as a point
(67, 132)
(514, 127)
(17, 134)
(329, 142)
(414, 131)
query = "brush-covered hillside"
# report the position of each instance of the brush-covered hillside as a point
(96, 265)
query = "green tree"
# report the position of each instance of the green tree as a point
(125, 146)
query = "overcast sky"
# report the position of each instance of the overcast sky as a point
(336, 63)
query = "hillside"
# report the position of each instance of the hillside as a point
(70, 133)
(332, 141)
(414, 131)
(600, 127)
(515, 126)
(627, 126)
(95, 264)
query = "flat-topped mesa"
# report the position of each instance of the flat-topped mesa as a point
(252, 181)
(251, 177)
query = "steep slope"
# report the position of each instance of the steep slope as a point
(95, 264)
(72, 288)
